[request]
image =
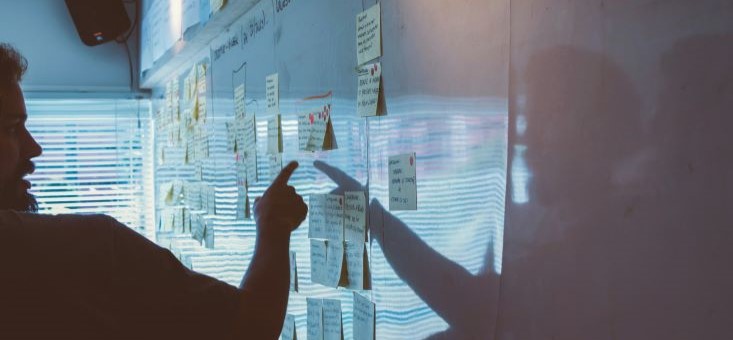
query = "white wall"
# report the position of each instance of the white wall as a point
(58, 61)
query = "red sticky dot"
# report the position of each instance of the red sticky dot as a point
(312, 118)
(411, 161)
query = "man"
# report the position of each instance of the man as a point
(80, 277)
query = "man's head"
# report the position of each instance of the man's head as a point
(17, 146)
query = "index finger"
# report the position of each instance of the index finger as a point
(284, 176)
(336, 175)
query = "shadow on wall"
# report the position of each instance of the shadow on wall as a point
(632, 236)
(467, 302)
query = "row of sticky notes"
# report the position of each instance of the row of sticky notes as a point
(180, 220)
(337, 263)
(195, 196)
(338, 217)
(324, 320)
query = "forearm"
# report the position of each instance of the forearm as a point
(264, 290)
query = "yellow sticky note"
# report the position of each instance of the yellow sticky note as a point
(368, 35)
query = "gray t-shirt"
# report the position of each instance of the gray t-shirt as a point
(78, 277)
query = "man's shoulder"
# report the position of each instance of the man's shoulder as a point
(62, 226)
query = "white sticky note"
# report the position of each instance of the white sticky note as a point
(363, 318)
(289, 332)
(274, 135)
(334, 263)
(293, 272)
(368, 35)
(357, 267)
(304, 131)
(201, 93)
(402, 182)
(334, 209)
(332, 323)
(249, 153)
(355, 216)
(231, 136)
(319, 122)
(367, 93)
(317, 216)
(314, 318)
(242, 201)
(239, 107)
(215, 5)
(198, 228)
(209, 236)
(272, 93)
(275, 165)
(319, 256)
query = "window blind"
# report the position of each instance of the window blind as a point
(97, 158)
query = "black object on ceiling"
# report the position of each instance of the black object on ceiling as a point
(98, 21)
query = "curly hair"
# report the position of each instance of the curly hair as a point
(12, 65)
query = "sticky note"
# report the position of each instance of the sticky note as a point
(215, 5)
(368, 89)
(319, 256)
(402, 182)
(368, 35)
(249, 151)
(239, 107)
(321, 129)
(304, 131)
(201, 92)
(355, 216)
(275, 165)
(289, 332)
(334, 217)
(332, 323)
(209, 235)
(293, 273)
(334, 263)
(274, 135)
(272, 94)
(242, 201)
(363, 318)
(166, 191)
(315, 318)
(197, 228)
(231, 137)
(317, 216)
(357, 266)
